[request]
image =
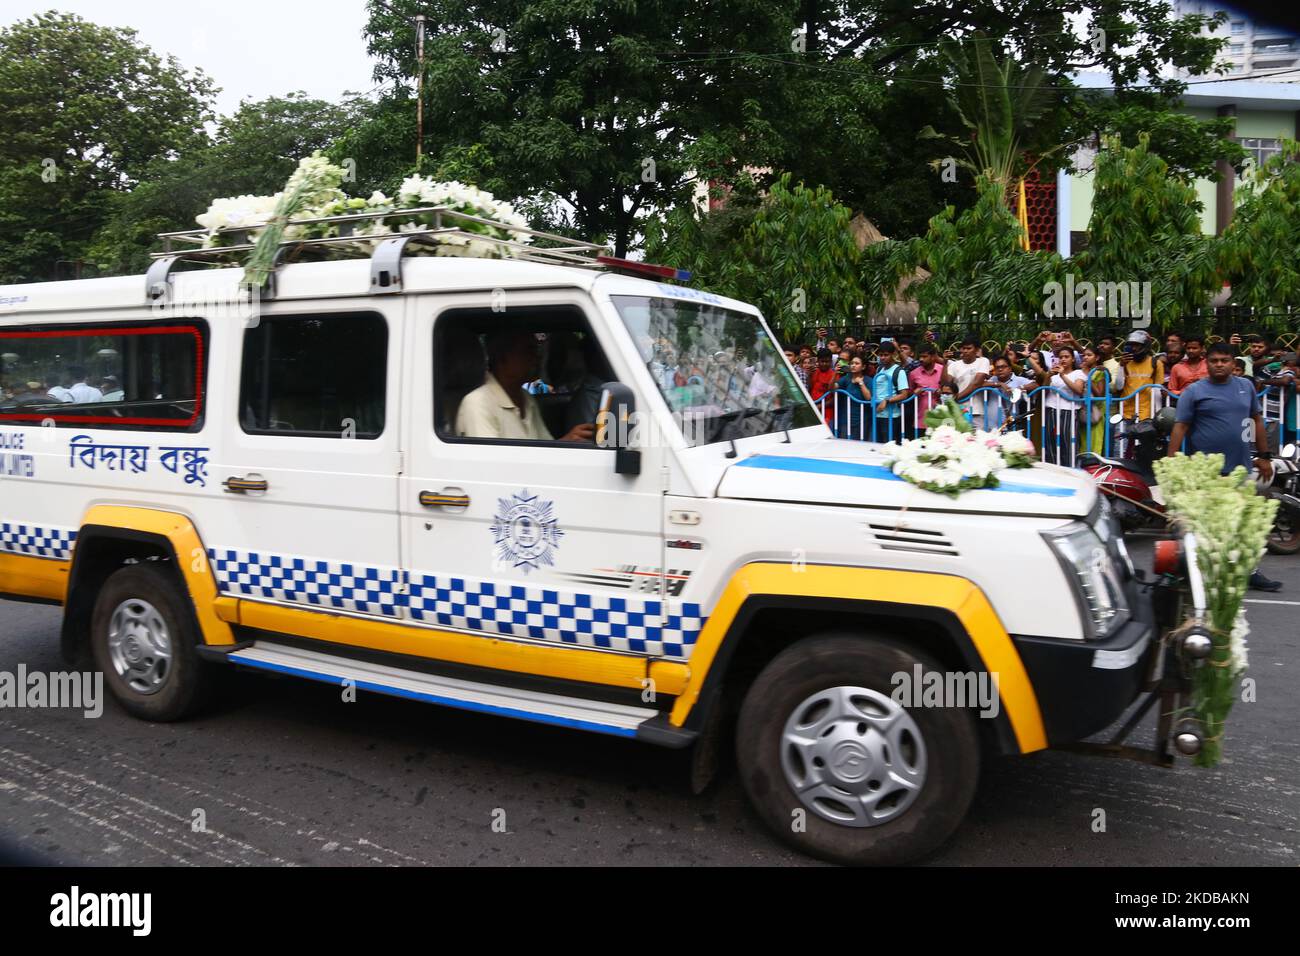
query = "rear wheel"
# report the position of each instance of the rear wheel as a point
(841, 771)
(143, 638)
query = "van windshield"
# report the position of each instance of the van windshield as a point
(720, 372)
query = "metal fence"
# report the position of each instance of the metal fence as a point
(1060, 424)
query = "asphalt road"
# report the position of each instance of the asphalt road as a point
(285, 773)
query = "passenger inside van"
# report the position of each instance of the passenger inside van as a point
(501, 407)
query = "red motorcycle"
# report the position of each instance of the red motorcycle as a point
(1130, 483)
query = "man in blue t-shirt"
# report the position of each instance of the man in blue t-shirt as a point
(1220, 414)
(889, 389)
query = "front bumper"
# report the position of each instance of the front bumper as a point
(1084, 686)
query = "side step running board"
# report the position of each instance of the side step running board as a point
(620, 720)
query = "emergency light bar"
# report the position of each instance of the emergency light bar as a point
(644, 268)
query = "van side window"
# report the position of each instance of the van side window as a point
(319, 376)
(126, 375)
(525, 375)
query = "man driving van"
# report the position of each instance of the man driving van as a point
(500, 407)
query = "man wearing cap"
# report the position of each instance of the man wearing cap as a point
(1218, 415)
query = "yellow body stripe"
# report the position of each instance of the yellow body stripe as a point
(191, 558)
(34, 577)
(954, 594)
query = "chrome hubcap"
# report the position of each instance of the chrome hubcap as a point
(139, 646)
(853, 756)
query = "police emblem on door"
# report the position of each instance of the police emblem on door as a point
(525, 532)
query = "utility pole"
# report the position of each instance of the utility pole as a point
(419, 88)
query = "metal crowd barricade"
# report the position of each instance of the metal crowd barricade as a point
(854, 417)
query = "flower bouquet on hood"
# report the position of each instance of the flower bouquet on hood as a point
(948, 461)
(954, 457)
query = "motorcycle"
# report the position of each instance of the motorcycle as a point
(1285, 487)
(1130, 483)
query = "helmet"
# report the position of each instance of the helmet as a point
(1165, 419)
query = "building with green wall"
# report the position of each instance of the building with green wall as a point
(1265, 113)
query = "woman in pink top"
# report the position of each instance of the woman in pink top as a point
(925, 380)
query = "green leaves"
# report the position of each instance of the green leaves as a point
(1259, 253)
(86, 110)
(791, 253)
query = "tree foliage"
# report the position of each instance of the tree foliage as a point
(791, 253)
(86, 110)
(1259, 252)
(611, 106)
(254, 151)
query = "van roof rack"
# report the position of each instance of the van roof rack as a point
(385, 255)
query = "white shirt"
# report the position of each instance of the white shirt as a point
(488, 412)
(963, 374)
(59, 393)
(82, 393)
(1054, 400)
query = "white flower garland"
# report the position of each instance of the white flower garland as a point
(255, 213)
(949, 461)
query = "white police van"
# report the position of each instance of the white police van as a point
(293, 487)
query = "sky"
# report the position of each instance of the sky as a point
(250, 48)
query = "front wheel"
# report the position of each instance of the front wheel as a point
(841, 771)
(1284, 538)
(143, 637)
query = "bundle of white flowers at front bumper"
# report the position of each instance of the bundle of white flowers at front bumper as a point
(313, 192)
(953, 457)
(1231, 523)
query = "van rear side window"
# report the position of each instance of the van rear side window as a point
(315, 376)
(107, 376)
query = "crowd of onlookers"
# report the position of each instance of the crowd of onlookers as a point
(1057, 390)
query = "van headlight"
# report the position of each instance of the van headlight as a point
(1108, 529)
(1095, 578)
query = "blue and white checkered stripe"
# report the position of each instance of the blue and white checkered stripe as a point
(340, 585)
(573, 618)
(42, 542)
(576, 618)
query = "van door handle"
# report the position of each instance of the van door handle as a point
(447, 498)
(239, 486)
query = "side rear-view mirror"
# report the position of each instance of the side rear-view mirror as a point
(1288, 451)
(616, 427)
(1116, 418)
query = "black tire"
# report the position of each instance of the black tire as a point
(951, 743)
(186, 685)
(1284, 538)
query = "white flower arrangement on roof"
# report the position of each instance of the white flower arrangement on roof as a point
(313, 192)
(953, 457)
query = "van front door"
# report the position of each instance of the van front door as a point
(512, 538)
